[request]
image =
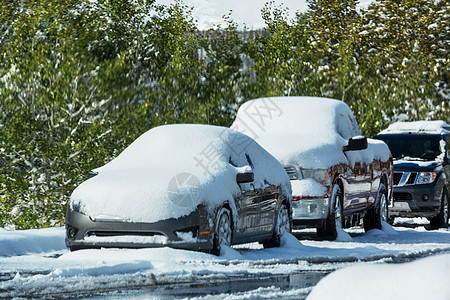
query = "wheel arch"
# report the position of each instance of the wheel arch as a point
(339, 181)
(233, 213)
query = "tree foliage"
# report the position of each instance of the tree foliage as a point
(80, 80)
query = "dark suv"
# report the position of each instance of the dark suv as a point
(421, 170)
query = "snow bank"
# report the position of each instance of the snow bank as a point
(422, 279)
(102, 269)
(418, 127)
(306, 131)
(170, 170)
(116, 269)
(21, 242)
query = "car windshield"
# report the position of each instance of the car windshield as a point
(414, 147)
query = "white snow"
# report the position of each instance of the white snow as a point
(418, 127)
(306, 131)
(19, 242)
(132, 239)
(418, 161)
(40, 263)
(169, 170)
(308, 187)
(426, 278)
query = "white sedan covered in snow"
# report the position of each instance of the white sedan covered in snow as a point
(185, 186)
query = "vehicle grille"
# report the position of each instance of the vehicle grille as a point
(402, 196)
(404, 178)
(397, 177)
(411, 178)
(122, 233)
(292, 173)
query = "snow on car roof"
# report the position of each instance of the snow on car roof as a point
(169, 170)
(438, 127)
(296, 129)
(306, 131)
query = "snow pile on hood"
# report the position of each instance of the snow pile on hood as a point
(422, 279)
(306, 131)
(309, 187)
(170, 170)
(418, 127)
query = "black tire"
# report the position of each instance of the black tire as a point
(282, 224)
(222, 231)
(441, 220)
(378, 212)
(391, 220)
(335, 217)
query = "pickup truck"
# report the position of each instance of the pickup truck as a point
(339, 178)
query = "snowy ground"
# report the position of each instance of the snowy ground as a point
(36, 262)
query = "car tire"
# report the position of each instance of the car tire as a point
(441, 220)
(282, 224)
(391, 220)
(335, 217)
(378, 212)
(222, 231)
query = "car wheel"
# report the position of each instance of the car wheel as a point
(223, 231)
(378, 212)
(391, 220)
(335, 217)
(441, 220)
(282, 225)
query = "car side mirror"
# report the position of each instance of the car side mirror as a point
(245, 177)
(356, 143)
(92, 174)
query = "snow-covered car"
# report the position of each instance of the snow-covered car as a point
(184, 186)
(338, 177)
(421, 170)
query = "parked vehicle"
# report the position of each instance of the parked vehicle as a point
(185, 186)
(338, 177)
(421, 169)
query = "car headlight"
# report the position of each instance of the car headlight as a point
(426, 177)
(77, 207)
(319, 175)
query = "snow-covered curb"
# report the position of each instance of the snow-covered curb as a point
(21, 242)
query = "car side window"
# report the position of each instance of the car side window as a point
(249, 160)
(347, 126)
(240, 160)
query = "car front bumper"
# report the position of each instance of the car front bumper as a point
(409, 201)
(189, 232)
(311, 212)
